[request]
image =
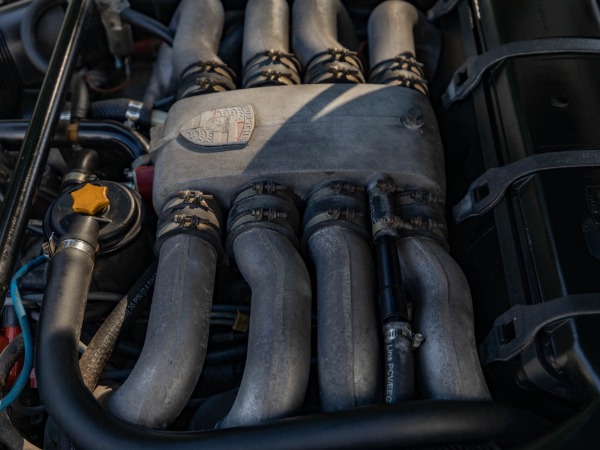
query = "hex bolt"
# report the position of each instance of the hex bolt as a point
(414, 119)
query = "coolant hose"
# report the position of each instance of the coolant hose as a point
(278, 363)
(266, 50)
(349, 366)
(147, 24)
(448, 367)
(9, 436)
(169, 367)
(99, 135)
(121, 109)
(33, 13)
(195, 61)
(392, 54)
(324, 39)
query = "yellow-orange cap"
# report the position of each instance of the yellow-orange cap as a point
(90, 199)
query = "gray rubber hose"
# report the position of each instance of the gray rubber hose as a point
(448, 367)
(169, 367)
(348, 330)
(278, 363)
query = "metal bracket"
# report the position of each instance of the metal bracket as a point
(441, 8)
(516, 329)
(489, 189)
(119, 34)
(468, 76)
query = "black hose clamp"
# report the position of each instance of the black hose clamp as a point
(272, 68)
(336, 203)
(191, 212)
(206, 77)
(335, 65)
(403, 70)
(423, 214)
(267, 205)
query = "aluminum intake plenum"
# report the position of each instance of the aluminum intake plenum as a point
(299, 136)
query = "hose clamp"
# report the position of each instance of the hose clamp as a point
(77, 244)
(395, 330)
(133, 113)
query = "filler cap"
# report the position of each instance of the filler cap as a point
(90, 199)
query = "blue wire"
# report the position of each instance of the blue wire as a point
(25, 330)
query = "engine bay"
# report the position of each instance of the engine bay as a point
(299, 224)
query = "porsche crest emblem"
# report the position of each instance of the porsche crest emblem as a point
(221, 127)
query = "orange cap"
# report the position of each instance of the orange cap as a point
(90, 199)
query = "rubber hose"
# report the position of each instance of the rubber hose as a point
(122, 317)
(317, 26)
(266, 51)
(80, 98)
(266, 27)
(33, 12)
(392, 53)
(391, 31)
(198, 34)
(9, 436)
(147, 24)
(317, 35)
(348, 345)
(169, 367)
(278, 363)
(99, 135)
(118, 109)
(448, 367)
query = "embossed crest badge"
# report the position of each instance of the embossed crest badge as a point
(221, 127)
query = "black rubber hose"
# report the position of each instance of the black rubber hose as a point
(99, 135)
(398, 358)
(80, 98)
(9, 436)
(119, 109)
(9, 357)
(147, 24)
(108, 135)
(32, 15)
(103, 343)
(83, 163)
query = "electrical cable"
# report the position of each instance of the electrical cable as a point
(25, 331)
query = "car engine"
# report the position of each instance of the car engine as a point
(299, 224)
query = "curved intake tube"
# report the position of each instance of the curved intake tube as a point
(278, 362)
(266, 26)
(162, 81)
(348, 347)
(173, 355)
(392, 54)
(195, 60)
(448, 367)
(324, 39)
(266, 50)
(198, 33)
